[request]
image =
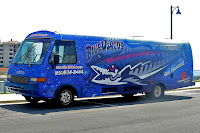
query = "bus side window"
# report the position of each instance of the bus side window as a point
(66, 51)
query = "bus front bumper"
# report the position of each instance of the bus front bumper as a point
(23, 89)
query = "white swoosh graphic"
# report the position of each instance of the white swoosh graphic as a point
(151, 73)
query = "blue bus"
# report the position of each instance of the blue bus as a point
(56, 66)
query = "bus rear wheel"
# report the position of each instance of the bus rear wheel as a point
(65, 98)
(157, 92)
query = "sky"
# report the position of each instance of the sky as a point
(119, 18)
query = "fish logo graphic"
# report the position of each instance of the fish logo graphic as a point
(107, 77)
(133, 73)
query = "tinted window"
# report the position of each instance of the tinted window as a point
(66, 51)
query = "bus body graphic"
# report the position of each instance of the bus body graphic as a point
(48, 63)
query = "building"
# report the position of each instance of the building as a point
(7, 51)
(3, 71)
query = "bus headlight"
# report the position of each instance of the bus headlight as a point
(38, 79)
(8, 76)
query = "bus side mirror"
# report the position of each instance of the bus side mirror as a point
(56, 59)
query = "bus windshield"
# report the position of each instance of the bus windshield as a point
(32, 51)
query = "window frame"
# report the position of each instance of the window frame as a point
(63, 41)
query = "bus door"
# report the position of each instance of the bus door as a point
(67, 70)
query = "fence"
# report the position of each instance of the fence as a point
(2, 87)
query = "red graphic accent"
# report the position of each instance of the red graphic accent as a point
(112, 68)
(184, 76)
(113, 59)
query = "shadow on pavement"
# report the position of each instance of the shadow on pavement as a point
(44, 108)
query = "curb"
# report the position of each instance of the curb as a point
(185, 89)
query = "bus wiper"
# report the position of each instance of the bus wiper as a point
(28, 57)
(25, 55)
(34, 57)
(20, 58)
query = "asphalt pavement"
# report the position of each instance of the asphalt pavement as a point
(177, 112)
(14, 98)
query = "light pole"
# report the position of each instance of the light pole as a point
(178, 12)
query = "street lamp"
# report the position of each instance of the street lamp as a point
(178, 12)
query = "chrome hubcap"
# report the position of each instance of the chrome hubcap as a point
(157, 91)
(65, 97)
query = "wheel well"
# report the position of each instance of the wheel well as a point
(162, 85)
(68, 87)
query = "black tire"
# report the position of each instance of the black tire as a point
(65, 98)
(32, 100)
(127, 95)
(158, 92)
(50, 101)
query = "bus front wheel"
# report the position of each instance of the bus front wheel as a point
(65, 97)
